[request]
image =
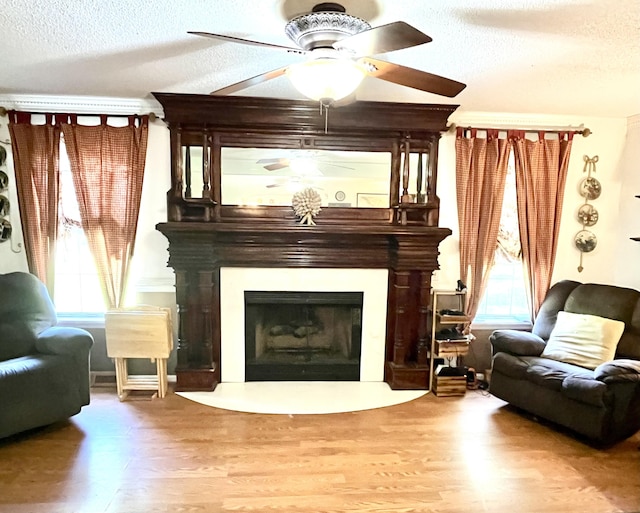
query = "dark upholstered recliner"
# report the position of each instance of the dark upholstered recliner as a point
(44, 369)
(601, 403)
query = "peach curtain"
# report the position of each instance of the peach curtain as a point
(541, 173)
(481, 170)
(107, 164)
(36, 151)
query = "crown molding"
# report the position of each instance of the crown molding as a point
(87, 105)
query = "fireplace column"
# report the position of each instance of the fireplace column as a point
(197, 278)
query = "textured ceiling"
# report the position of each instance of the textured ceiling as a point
(534, 56)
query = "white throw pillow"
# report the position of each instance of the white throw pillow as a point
(584, 340)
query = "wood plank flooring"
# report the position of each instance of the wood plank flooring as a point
(444, 455)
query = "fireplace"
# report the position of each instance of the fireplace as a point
(302, 336)
(208, 236)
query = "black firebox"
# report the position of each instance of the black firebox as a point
(302, 336)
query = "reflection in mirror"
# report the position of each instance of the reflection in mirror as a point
(5, 230)
(267, 176)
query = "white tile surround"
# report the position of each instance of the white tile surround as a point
(235, 280)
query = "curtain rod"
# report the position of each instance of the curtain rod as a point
(152, 115)
(585, 132)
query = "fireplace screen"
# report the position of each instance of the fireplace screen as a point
(303, 336)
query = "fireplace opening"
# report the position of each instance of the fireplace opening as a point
(302, 336)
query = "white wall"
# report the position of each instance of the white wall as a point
(615, 260)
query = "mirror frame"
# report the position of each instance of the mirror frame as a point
(212, 123)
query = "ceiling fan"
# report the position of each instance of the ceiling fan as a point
(338, 47)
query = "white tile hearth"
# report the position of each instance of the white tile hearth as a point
(302, 397)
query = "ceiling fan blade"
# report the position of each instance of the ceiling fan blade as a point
(275, 167)
(273, 164)
(246, 41)
(410, 77)
(386, 38)
(258, 79)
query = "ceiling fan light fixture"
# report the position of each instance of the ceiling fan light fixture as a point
(326, 78)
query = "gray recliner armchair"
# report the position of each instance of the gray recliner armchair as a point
(44, 369)
(600, 401)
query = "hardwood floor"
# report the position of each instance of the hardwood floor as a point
(444, 455)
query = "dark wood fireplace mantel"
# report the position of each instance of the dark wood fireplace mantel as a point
(204, 234)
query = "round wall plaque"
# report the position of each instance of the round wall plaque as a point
(590, 188)
(586, 241)
(587, 215)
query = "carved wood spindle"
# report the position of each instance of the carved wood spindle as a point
(187, 166)
(396, 157)
(206, 175)
(427, 180)
(433, 159)
(405, 173)
(419, 194)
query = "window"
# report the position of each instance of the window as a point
(505, 298)
(77, 289)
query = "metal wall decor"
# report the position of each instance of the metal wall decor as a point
(5, 225)
(590, 189)
(5, 205)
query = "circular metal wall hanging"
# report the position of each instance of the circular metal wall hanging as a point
(587, 215)
(586, 241)
(4, 205)
(590, 188)
(4, 180)
(5, 230)
(340, 196)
